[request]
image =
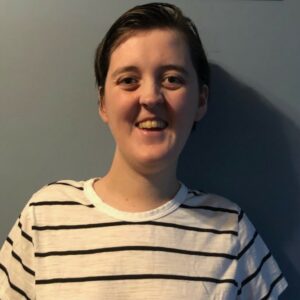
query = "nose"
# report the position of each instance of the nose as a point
(150, 94)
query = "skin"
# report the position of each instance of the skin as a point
(150, 77)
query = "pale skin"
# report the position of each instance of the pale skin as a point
(150, 78)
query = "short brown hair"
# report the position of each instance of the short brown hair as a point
(146, 17)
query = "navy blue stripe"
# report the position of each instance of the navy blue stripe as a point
(135, 277)
(134, 248)
(24, 234)
(45, 203)
(9, 240)
(67, 184)
(241, 215)
(18, 258)
(251, 242)
(212, 208)
(123, 223)
(272, 286)
(14, 287)
(253, 275)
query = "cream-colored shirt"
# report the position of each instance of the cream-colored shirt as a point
(69, 244)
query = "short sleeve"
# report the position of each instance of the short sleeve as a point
(17, 275)
(259, 276)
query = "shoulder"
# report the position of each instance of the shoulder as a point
(212, 202)
(213, 213)
(257, 273)
(59, 192)
(55, 203)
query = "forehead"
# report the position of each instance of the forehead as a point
(136, 32)
(150, 46)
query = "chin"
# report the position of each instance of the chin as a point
(158, 161)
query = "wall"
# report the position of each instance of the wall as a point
(247, 148)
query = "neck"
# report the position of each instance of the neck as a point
(132, 189)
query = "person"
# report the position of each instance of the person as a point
(138, 232)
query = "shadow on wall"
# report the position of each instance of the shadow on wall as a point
(247, 151)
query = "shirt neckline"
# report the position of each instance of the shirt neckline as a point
(148, 215)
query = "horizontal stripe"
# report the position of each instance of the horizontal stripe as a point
(251, 242)
(241, 215)
(13, 286)
(133, 248)
(272, 286)
(212, 208)
(18, 258)
(122, 223)
(24, 234)
(45, 203)
(134, 277)
(253, 275)
(67, 184)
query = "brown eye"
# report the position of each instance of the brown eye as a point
(128, 83)
(128, 80)
(173, 79)
(173, 82)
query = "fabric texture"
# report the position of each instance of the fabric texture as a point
(69, 244)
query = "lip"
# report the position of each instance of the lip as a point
(151, 119)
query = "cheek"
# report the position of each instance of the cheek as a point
(185, 107)
(121, 109)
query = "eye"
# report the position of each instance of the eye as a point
(172, 82)
(128, 82)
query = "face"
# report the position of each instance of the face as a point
(152, 98)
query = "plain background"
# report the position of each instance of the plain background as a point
(247, 147)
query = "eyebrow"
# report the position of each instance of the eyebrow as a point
(124, 69)
(163, 68)
(178, 68)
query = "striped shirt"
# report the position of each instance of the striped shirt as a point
(69, 244)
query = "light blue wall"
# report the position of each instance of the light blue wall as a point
(247, 148)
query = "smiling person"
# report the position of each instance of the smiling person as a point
(138, 232)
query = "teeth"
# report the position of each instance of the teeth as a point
(152, 124)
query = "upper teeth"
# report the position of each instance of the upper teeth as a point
(152, 124)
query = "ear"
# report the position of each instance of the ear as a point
(101, 106)
(202, 105)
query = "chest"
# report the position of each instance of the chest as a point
(124, 261)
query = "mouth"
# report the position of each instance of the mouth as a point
(152, 125)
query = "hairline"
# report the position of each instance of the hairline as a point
(133, 32)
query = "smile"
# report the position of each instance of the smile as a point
(152, 124)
